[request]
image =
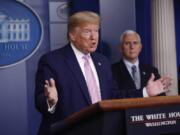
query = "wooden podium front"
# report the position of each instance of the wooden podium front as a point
(142, 116)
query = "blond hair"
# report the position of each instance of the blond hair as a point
(82, 18)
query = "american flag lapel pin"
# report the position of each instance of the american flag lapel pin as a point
(99, 63)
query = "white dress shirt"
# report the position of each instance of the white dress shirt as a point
(129, 66)
(79, 56)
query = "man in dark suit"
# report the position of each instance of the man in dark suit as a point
(133, 84)
(61, 82)
(65, 76)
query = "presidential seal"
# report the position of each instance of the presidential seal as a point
(20, 32)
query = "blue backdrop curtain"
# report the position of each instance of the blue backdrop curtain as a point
(143, 27)
(81, 5)
(177, 26)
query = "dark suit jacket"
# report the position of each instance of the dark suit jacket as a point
(125, 82)
(63, 66)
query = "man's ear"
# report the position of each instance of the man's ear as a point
(71, 36)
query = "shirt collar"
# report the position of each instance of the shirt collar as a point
(129, 64)
(77, 52)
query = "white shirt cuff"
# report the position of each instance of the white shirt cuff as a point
(51, 109)
(145, 94)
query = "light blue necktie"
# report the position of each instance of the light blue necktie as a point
(136, 77)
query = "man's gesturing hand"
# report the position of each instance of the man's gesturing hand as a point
(158, 86)
(51, 91)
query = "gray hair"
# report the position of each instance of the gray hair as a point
(128, 32)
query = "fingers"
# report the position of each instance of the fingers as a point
(151, 78)
(50, 91)
(52, 82)
(166, 79)
(48, 85)
(166, 82)
(159, 86)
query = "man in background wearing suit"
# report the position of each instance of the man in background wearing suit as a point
(131, 75)
(75, 76)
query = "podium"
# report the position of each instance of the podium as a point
(143, 116)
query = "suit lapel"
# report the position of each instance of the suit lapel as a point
(76, 70)
(101, 75)
(126, 72)
(143, 75)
